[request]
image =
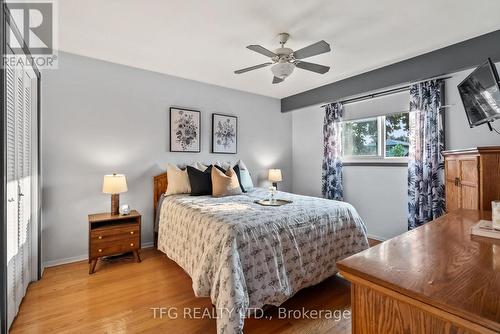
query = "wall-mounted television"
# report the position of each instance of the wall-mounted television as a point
(480, 93)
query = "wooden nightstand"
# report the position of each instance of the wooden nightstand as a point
(113, 234)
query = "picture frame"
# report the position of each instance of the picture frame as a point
(185, 130)
(224, 134)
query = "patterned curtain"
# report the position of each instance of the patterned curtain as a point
(426, 199)
(332, 157)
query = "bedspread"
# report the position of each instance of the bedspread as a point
(244, 255)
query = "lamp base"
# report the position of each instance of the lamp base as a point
(115, 204)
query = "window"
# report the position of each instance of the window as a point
(360, 138)
(379, 138)
(396, 135)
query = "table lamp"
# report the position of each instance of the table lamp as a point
(275, 177)
(114, 184)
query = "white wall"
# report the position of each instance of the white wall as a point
(378, 193)
(100, 117)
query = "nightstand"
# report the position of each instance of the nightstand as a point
(112, 235)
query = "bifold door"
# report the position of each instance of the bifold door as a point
(21, 109)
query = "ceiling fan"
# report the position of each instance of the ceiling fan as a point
(284, 60)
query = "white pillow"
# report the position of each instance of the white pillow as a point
(178, 181)
(226, 165)
(242, 165)
(245, 178)
(200, 166)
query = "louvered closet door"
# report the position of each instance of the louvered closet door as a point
(26, 186)
(12, 194)
(19, 188)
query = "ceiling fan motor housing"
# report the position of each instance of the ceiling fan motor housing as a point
(283, 51)
(283, 67)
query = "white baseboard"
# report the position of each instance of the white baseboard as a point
(371, 236)
(67, 260)
(58, 262)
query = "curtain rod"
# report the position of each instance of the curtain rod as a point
(386, 92)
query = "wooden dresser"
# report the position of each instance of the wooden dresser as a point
(434, 279)
(472, 178)
(112, 235)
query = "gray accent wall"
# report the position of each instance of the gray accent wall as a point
(378, 193)
(99, 117)
(449, 59)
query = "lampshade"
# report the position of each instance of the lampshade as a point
(275, 175)
(114, 184)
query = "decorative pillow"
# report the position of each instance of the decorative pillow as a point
(237, 170)
(245, 178)
(178, 181)
(200, 166)
(225, 184)
(242, 165)
(219, 168)
(224, 164)
(201, 182)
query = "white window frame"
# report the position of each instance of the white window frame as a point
(381, 136)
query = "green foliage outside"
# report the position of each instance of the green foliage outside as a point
(397, 151)
(360, 138)
(397, 122)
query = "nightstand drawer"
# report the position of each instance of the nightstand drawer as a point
(114, 233)
(114, 247)
(111, 234)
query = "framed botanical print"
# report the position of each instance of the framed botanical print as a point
(185, 130)
(224, 134)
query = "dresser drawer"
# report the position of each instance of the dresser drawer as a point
(113, 247)
(114, 233)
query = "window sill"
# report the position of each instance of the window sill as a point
(376, 163)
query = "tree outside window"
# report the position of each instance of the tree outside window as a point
(384, 137)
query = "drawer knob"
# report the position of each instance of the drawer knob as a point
(131, 244)
(99, 250)
(99, 237)
(131, 232)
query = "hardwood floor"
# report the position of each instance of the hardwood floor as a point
(373, 242)
(118, 299)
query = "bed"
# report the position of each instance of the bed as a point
(244, 255)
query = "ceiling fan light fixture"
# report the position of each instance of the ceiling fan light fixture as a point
(284, 60)
(282, 69)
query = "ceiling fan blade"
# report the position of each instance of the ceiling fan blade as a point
(312, 50)
(251, 68)
(321, 69)
(262, 50)
(277, 80)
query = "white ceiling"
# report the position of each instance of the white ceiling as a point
(205, 40)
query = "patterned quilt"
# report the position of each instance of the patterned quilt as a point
(244, 255)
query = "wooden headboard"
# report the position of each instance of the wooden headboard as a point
(160, 183)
